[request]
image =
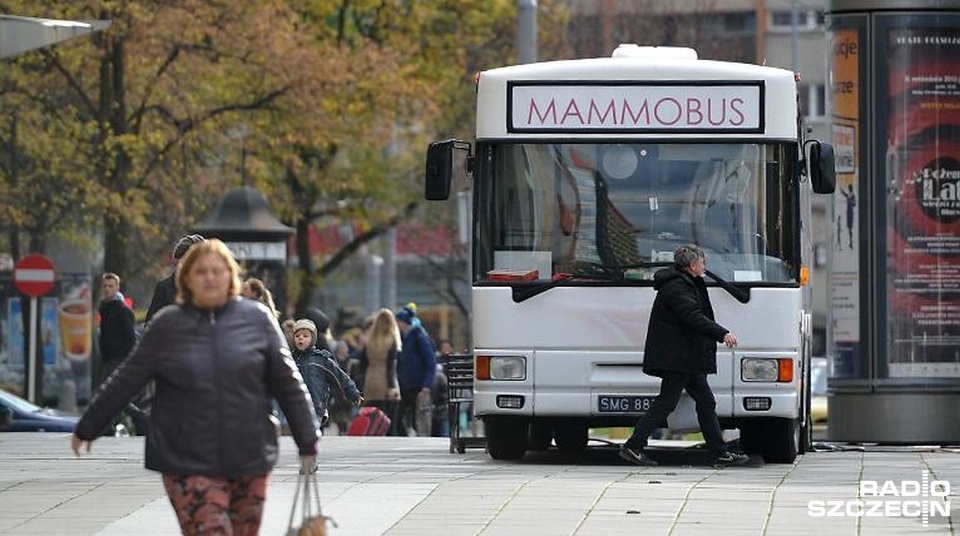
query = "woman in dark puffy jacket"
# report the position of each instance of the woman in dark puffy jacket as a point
(217, 361)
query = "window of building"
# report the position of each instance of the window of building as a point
(739, 23)
(813, 100)
(733, 23)
(780, 20)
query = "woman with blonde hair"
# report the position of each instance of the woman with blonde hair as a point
(218, 362)
(378, 366)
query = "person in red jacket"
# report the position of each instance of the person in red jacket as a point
(218, 362)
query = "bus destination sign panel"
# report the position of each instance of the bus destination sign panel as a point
(598, 107)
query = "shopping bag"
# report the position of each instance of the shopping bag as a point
(370, 422)
(306, 516)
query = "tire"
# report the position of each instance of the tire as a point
(506, 437)
(541, 434)
(571, 436)
(782, 440)
(751, 437)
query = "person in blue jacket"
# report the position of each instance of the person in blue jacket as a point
(323, 376)
(416, 369)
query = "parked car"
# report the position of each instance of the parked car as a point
(25, 416)
(818, 389)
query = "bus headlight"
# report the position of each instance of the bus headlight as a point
(501, 367)
(755, 369)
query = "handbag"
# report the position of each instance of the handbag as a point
(312, 522)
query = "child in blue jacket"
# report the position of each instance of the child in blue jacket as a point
(324, 378)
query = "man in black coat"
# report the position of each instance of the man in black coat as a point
(165, 292)
(681, 349)
(117, 336)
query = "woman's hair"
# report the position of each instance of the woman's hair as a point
(216, 247)
(384, 334)
(263, 294)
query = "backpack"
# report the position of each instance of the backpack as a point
(370, 422)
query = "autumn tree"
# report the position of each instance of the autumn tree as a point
(138, 112)
(359, 160)
(134, 132)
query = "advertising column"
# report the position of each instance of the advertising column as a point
(846, 131)
(923, 197)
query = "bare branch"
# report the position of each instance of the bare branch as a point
(54, 61)
(346, 251)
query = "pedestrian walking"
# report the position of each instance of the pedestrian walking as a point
(165, 291)
(416, 368)
(322, 321)
(325, 379)
(681, 349)
(217, 361)
(440, 398)
(254, 289)
(117, 332)
(378, 367)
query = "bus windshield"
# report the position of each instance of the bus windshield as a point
(555, 208)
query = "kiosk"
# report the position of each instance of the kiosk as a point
(256, 237)
(894, 335)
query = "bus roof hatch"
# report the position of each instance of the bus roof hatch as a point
(632, 50)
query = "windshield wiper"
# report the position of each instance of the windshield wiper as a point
(598, 272)
(742, 295)
(601, 272)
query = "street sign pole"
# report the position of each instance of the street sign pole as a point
(33, 276)
(32, 353)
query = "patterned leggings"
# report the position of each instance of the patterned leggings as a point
(221, 506)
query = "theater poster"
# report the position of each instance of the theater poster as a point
(922, 176)
(846, 91)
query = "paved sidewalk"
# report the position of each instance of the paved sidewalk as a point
(413, 486)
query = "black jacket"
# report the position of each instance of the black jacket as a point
(325, 380)
(164, 294)
(682, 335)
(117, 336)
(216, 374)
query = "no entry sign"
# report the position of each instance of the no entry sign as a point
(33, 275)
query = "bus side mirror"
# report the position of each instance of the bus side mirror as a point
(823, 170)
(439, 172)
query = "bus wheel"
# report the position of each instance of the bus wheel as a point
(751, 437)
(541, 434)
(783, 440)
(571, 436)
(506, 437)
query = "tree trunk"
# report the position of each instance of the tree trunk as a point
(116, 229)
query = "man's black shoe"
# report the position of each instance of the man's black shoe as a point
(636, 457)
(730, 458)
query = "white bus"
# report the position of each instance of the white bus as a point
(587, 174)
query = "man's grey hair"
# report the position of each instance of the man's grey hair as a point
(687, 254)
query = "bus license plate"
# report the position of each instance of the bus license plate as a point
(624, 403)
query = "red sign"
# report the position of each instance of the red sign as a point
(33, 275)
